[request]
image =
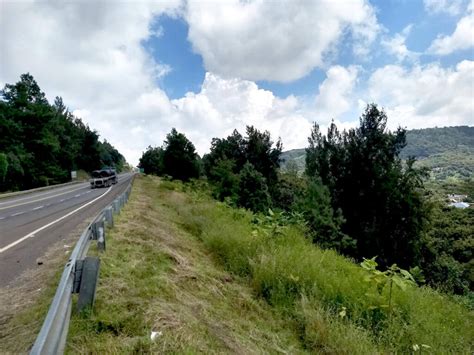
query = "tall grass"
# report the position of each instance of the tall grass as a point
(157, 277)
(327, 295)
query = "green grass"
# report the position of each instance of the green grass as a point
(19, 326)
(193, 269)
(156, 276)
(311, 286)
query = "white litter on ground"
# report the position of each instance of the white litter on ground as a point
(155, 335)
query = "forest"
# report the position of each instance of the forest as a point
(41, 143)
(358, 195)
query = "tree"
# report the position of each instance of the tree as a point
(44, 142)
(324, 224)
(152, 161)
(3, 167)
(180, 159)
(225, 163)
(226, 182)
(230, 150)
(381, 197)
(253, 191)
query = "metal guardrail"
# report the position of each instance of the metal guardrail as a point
(79, 276)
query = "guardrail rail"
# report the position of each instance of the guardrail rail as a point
(80, 276)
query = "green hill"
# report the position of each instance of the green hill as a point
(447, 152)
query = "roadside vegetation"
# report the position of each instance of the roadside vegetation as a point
(41, 143)
(157, 277)
(358, 195)
(209, 277)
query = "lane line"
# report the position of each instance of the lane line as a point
(17, 214)
(40, 199)
(37, 208)
(32, 234)
(42, 194)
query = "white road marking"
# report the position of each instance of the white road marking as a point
(2, 218)
(32, 234)
(44, 193)
(77, 195)
(37, 208)
(40, 199)
(17, 214)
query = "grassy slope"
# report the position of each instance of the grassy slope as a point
(311, 287)
(156, 276)
(182, 264)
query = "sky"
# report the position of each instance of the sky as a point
(132, 70)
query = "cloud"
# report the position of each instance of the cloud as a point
(336, 93)
(257, 40)
(450, 7)
(225, 104)
(91, 55)
(461, 38)
(396, 45)
(424, 96)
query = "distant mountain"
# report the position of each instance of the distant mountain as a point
(447, 151)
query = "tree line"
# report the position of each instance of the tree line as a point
(357, 195)
(41, 143)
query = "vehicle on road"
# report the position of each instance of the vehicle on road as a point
(103, 178)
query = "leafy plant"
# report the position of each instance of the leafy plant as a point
(275, 223)
(393, 276)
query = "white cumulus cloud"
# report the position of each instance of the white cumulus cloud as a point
(425, 96)
(91, 54)
(336, 95)
(225, 104)
(461, 38)
(396, 45)
(258, 40)
(450, 7)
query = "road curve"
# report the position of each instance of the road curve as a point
(30, 224)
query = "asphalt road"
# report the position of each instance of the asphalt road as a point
(31, 223)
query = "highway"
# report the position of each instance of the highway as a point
(31, 223)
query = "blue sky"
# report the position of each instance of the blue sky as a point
(133, 70)
(187, 68)
(173, 49)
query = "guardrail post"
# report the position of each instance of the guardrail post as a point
(88, 283)
(116, 206)
(101, 239)
(109, 216)
(98, 233)
(95, 229)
